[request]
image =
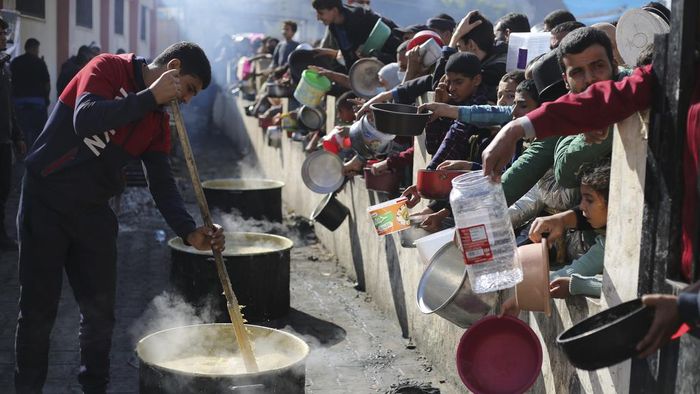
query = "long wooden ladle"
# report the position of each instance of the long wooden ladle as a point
(234, 310)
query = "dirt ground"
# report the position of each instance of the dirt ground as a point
(355, 348)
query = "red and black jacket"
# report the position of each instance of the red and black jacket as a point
(104, 118)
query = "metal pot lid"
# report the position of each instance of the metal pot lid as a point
(322, 172)
(364, 78)
(310, 117)
(240, 244)
(242, 184)
(635, 30)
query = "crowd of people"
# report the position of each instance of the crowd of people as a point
(544, 132)
(529, 129)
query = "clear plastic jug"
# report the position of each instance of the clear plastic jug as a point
(485, 233)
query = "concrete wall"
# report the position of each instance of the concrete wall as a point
(390, 273)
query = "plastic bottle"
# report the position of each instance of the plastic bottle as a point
(486, 235)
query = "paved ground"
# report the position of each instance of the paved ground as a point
(356, 349)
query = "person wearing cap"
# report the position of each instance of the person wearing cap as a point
(442, 24)
(409, 31)
(11, 137)
(351, 26)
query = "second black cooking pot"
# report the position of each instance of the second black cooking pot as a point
(399, 119)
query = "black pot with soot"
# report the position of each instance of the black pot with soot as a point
(257, 265)
(254, 198)
(205, 359)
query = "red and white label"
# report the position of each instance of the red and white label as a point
(475, 244)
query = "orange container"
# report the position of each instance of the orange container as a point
(390, 216)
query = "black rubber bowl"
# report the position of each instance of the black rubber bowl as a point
(608, 337)
(399, 119)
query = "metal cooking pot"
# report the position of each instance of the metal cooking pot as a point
(366, 140)
(219, 340)
(311, 118)
(444, 289)
(330, 212)
(399, 119)
(253, 198)
(257, 264)
(436, 184)
(274, 89)
(608, 337)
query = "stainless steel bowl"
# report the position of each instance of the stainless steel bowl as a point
(444, 289)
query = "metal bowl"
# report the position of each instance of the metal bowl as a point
(364, 78)
(322, 172)
(444, 289)
(311, 118)
(399, 119)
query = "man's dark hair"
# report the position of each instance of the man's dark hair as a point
(193, 61)
(516, 23)
(528, 87)
(658, 9)
(596, 176)
(516, 76)
(31, 43)
(558, 17)
(579, 40)
(291, 24)
(465, 63)
(482, 35)
(567, 27)
(326, 4)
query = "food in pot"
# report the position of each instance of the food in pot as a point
(226, 364)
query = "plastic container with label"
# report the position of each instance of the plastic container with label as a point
(485, 233)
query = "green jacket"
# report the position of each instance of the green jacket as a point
(572, 152)
(586, 271)
(527, 169)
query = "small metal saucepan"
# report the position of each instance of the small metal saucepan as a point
(311, 118)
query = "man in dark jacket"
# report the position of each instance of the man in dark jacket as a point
(10, 134)
(109, 113)
(350, 26)
(71, 67)
(30, 90)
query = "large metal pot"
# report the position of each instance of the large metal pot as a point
(253, 198)
(157, 352)
(257, 264)
(444, 289)
(330, 212)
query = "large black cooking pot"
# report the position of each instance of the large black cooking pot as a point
(608, 337)
(157, 374)
(399, 119)
(257, 264)
(253, 198)
(330, 212)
